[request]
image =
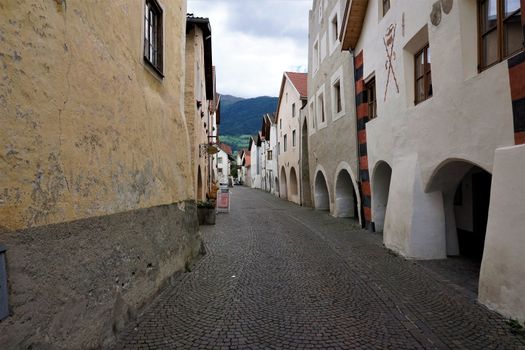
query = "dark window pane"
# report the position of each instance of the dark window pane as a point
(420, 90)
(490, 48)
(429, 86)
(420, 65)
(386, 6)
(428, 59)
(489, 15)
(512, 34)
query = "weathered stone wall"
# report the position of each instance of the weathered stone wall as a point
(96, 194)
(87, 128)
(74, 285)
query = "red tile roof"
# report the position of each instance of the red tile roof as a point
(300, 81)
(226, 148)
(247, 160)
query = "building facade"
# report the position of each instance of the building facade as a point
(199, 99)
(439, 97)
(332, 150)
(270, 180)
(255, 161)
(292, 97)
(223, 163)
(97, 201)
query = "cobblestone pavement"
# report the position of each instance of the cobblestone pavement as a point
(279, 276)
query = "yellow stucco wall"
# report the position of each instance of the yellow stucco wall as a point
(86, 128)
(196, 90)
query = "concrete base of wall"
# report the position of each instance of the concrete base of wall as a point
(75, 285)
(501, 283)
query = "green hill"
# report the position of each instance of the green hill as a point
(244, 116)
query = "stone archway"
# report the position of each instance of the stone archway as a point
(345, 196)
(466, 198)
(283, 187)
(200, 194)
(294, 186)
(306, 197)
(321, 195)
(380, 189)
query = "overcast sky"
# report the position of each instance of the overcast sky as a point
(255, 41)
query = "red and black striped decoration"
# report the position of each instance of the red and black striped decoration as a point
(517, 88)
(362, 118)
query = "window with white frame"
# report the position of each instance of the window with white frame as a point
(336, 90)
(333, 30)
(293, 110)
(313, 124)
(321, 115)
(315, 56)
(323, 49)
(337, 94)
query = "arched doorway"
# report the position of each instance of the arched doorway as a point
(321, 196)
(305, 168)
(283, 187)
(276, 184)
(200, 195)
(380, 189)
(466, 198)
(294, 186)
(345, 196)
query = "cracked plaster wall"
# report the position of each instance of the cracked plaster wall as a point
(97, 202)
(87, 128)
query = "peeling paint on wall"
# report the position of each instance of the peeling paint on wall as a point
(87, 129)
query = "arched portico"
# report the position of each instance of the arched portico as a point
(380, 190)
(466, 197)
(306, 198)
(294, 186)
(283, 187)
(321, 195)
(200, 194)
(345, 197)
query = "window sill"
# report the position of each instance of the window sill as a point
(157, 72)
(482, 69)
(416, 104)
(339, 115)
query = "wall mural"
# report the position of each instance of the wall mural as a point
(388, 40)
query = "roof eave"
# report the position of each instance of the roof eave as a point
(353, 19)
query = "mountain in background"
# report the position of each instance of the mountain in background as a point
(244, 116)
(228, 100)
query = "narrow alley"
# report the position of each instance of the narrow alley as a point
(280, 276)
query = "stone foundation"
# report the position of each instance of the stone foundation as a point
(74, 285)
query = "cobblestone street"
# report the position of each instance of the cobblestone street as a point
(280, 276)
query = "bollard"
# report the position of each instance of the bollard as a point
(4, 309)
